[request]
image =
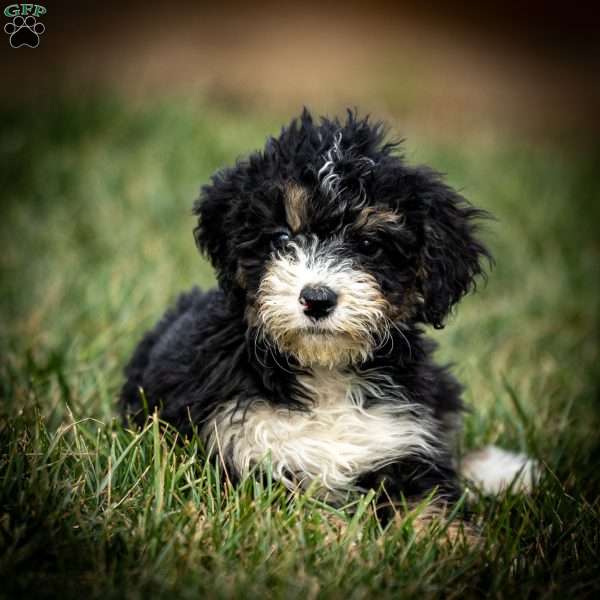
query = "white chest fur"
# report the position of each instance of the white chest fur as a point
(333, 443)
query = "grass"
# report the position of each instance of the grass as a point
(96, 240)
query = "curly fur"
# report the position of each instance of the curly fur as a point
(349, 401)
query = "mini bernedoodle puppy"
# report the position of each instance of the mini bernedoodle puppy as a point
(332, 255)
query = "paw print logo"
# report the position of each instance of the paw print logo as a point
(24, 31)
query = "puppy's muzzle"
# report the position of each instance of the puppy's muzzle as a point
(318, 301)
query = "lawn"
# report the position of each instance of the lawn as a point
(96, 238)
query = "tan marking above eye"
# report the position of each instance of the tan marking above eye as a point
(295, 200)
(373, 217)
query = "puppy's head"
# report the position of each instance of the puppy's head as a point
(331, 242)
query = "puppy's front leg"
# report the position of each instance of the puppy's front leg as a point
(406, 484)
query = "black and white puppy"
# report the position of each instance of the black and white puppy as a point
(332, 254)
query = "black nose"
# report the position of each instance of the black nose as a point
(318, 301)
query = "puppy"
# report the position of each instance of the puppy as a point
(332, 255)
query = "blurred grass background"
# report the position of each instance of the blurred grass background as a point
(107, 131)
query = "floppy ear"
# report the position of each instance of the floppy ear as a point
(215, 208)
(451, 253)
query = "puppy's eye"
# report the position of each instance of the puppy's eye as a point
(280, 240)
(370, 248)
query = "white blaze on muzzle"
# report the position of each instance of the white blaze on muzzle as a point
(348, 333)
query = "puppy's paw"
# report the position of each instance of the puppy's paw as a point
(494, 471)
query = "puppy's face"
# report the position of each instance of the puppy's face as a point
(332, 244)
(329, 289)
